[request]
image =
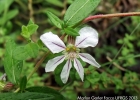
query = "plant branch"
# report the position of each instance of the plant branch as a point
(65, 7)
(110, 16)
(31, 11)
(115, 64)
(37, 65)
(35, 69)
(65, 86)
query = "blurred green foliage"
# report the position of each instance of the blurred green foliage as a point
(113, 34)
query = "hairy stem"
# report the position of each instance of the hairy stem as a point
(110, 16)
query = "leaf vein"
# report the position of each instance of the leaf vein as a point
(77, 11)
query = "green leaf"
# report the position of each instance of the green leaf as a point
(93, 78)
(30, 22)
(55, 2)
(32, 49)
(25, 32)
(55, 20)
(40, 43)
(118, 83)
(32, 28)
(12, 66)
(9, 15)
(79, 10)
(4, 4)
(104, 77)
(28, 30)
(26, 96)
(77, 76)
(72, 75)
(54, 11)
(57, 73)
(23, 83)
(48, 91)
(86, 84)
(21, 52)
(71, 31)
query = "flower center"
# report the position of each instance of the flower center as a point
(71, 52)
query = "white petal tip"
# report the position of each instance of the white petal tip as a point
(46, 70)
(98, 66)
(64, 82)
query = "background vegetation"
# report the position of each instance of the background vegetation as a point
(118, 41)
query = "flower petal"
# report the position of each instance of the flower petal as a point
(53, 42)
(65, 71)
(89, 59)
(78, 66)
(53, 63)
(3, 77)
(88, 37)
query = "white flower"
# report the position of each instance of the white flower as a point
(3, 77)
(88, 37)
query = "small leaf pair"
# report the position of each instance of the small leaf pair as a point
(79, 10)
(28, 30)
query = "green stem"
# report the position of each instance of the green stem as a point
(31, 11)
(21, 4)
(122, 58)
(65, 86)
(16, 90)
(37, 66)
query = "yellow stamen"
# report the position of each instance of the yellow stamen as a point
(74, 48)
(67, 49)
